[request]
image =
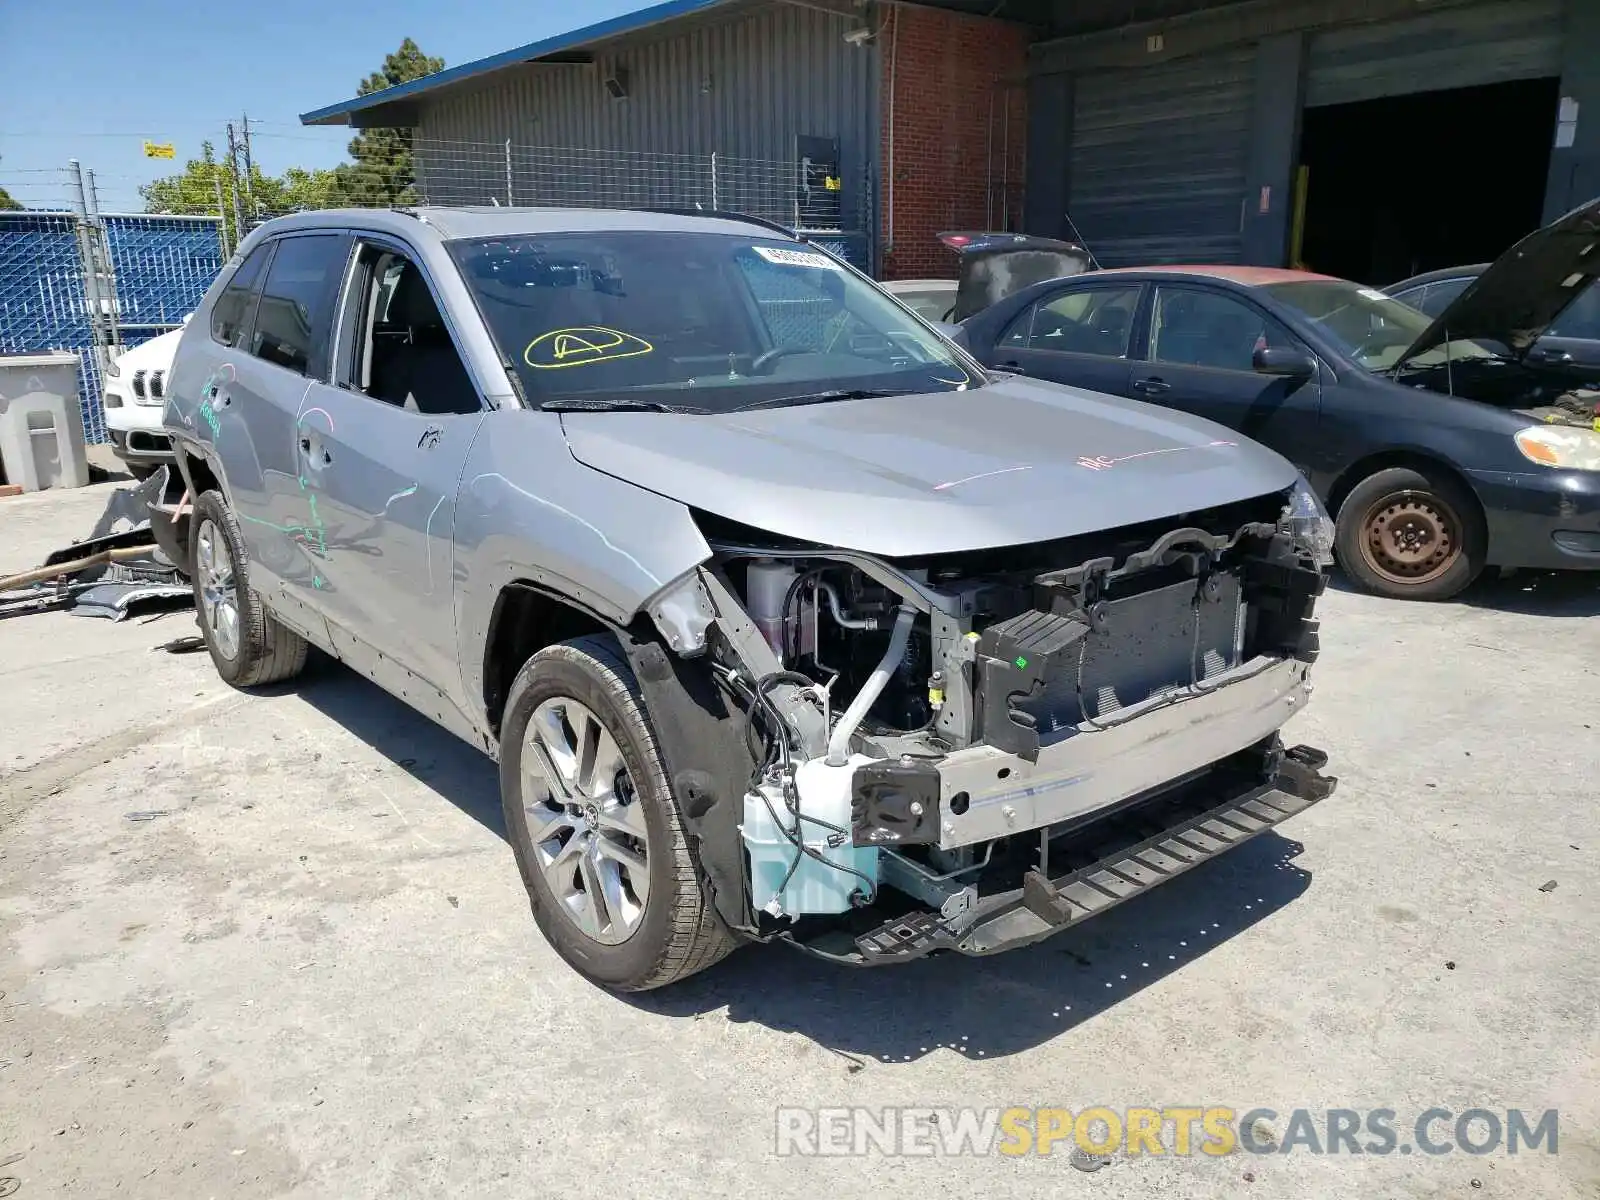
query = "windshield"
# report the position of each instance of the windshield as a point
(1371, 328)
(695, 322)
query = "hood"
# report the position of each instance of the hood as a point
(1521, 293)
(154, 355)
(1016, 461)
(994, 265)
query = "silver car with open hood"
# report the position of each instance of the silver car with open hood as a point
(783, 617)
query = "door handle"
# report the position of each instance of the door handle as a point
(1015, 367)
(1151, 387)
(316, 452)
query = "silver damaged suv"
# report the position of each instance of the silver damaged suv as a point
(782, 616)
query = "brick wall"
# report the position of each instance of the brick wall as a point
(956, 78)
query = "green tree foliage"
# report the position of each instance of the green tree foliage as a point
(380, 176)
(382, 173)
(6, 202)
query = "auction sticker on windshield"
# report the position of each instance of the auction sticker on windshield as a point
(795, 258)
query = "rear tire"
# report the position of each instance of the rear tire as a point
(248, 647)
(1411, 534)
(607, 825)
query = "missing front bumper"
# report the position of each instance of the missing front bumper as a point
(1192, 830)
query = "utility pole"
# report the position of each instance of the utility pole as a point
(249, 167)
(233, 169)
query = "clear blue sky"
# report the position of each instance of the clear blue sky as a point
(92, 79)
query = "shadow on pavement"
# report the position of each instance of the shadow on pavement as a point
(979, 1007)
(1007, 1003)
(1539, 594)
(463, 775)
(1533, 593)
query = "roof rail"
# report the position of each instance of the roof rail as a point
(723, 214)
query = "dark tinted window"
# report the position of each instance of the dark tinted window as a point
(1209, 329)
(1086, 321)
(293, 318)
(1582, 319)
(232, 309)
(1436, 297)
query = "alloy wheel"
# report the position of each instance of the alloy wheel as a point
(219, 595)
(586, 822)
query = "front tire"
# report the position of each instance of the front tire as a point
(595, 827)
(1410, 534)
(248, 647)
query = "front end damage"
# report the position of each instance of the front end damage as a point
(879, 759)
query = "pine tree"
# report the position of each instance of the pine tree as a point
(382, 174)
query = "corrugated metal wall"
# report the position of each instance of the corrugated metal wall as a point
(1458, 47)
(744, 86)
(1158, 160)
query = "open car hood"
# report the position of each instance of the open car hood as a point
(1013, 462)
(994, 265)
(1522, 292)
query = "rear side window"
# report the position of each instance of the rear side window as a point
(231, 312)
(294, 316)
(1090, 321)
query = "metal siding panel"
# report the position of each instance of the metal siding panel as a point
(777, 72)
(1158, 160)
(1463, 47)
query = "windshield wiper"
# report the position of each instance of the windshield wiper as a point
(575, 404)
(822, 398)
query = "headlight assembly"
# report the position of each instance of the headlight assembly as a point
(1560, 446)
(1308, 523)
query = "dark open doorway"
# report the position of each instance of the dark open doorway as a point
(1406, 184)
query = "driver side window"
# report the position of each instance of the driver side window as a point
(401, 352)
(1189, 327)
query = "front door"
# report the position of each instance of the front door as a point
(1199, 358)
(383, 447)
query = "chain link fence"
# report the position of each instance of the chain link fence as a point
(97, 284)
(810, 197)
(73, 278)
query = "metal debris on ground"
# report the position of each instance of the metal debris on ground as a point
(148, 815)
(130, 560)
(187, 644)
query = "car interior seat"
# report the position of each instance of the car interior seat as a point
(420, 371)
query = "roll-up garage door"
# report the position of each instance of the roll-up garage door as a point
(1158, 160)
(1453, 48)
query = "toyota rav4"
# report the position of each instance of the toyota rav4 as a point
(782, 616)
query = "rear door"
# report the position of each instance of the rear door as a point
(275, 340)
(383, 439)
(1078, 335)
(1198, 356)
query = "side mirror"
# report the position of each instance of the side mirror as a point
(1284, 361)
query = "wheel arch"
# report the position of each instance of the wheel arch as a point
(525, 618)
(1382, 460)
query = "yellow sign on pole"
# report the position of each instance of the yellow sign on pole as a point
(159, 150)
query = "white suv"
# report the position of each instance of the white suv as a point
(135, 393)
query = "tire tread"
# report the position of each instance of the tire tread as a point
(697, 937)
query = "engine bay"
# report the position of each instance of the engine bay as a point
(929, 734)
